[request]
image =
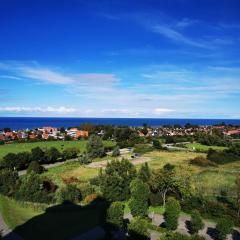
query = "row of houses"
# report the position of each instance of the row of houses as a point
(44, 133)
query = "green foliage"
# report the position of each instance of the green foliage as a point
(202, 162)
(95, 147)
(69, 194)
(31, 189)
(138, 202)
(224, 226)
(70, 153)
(155, 199)
(37, 154)
(115, 180)
(172, 212)
(196, 222)
(9, 161)
(115, 214)
(179, 236)
(138, 229)
(8, 181)
(156, 144)
(35, 167)
(83, 159)
(52, 154)
(116, 152)
(144, 173)
(222, 157)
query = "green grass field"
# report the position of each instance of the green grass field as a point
(201, 147)
(60, 145)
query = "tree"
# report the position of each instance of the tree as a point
(115, 180)
(69, 194)
(237, 184)
(8, 181)
(172, 212)
(52, 155)
(139, 198)
(115, 214)
(144, 173)
(37, 154)
(83, 159)
(156, 144)
(31, 189)
(95, 147)
(138, 229)
(22, 160)
(35, 167)
(116, 152)
(224, 227)
(9, 161)
(196, 222)
(70, 153)
(163, 181)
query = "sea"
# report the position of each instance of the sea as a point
(17, 123)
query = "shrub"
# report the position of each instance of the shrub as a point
(222, 157)
(90, 198)
(70, 153)
(224, 226)
(156, 144)
(138, 229)
(202, 162)
(115, 214)
(142, 148)
(155, 199)
(86, 189)
(116, 152)
(8, 181)
(35, 167)
(172, 213)
(139, 198)
(83, 159)
(144, 173)
(196, 222)
(69, 194)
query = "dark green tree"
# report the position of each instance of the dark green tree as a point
(35, 167)
(138, 229)
(224, 227)
(37, 154)
(52, 155)
(115, 214)
(115, 180)
(22, 160)
(8, 181)
(116, 152)
(144, 173)
(70, 194)
(196, 222)
(95, 147)
(156, 144)
(172, 212)
(138, 202)
(9, 161)
(70, 153)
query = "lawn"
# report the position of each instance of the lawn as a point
(60, 145)
(57, 222)
(201, 147)
(14, 214)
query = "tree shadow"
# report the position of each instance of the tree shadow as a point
(188, 225)
(64, 221)
(212, 232)
(235, 235)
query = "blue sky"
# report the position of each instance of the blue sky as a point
(128, 58)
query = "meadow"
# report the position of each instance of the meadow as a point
(201, 147)
(60, 145)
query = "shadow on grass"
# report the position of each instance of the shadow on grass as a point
(63, 221)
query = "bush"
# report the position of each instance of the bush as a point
(95, 147)
(86, 189)
(172, 213)
(116, 152)
(138, 229)
(139, 198)
(155, 199)
(35, 167)
(69, 194)
(224, 227)
(142, 148)
(31, 189)
(8, 181)
(90, 198)
(222, 157)
(83, 159)
(70, 153)
(144, 172)
(196, 222)
(115, 214)
(202, 162)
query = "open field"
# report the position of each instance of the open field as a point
(60, 145)
(201, 147)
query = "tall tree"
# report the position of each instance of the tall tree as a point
(172, 213)
(115, 214)
(115, 180)
(144, 173)
(95, 147)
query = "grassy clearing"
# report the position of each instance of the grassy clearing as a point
(68, 170)
(14, 214)
(201, 147)
(60, 145)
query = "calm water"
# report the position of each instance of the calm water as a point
(25, 122)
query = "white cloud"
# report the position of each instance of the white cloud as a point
(58, 110)
(161, 111)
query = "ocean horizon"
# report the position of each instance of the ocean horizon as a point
(16, 123)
